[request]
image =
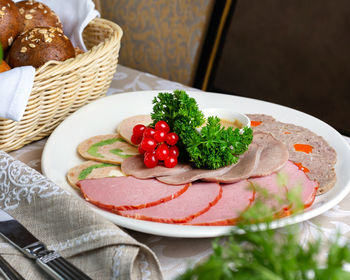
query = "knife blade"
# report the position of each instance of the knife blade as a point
(50, 261)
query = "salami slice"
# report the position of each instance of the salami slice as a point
(198, 199)
(235, 199)
(122, 193)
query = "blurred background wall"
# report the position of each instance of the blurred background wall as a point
(292, 52)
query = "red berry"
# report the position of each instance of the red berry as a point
(162, 126)
(172, 138)
(136, 139)
(159, 136)
(174, 151)
(150, 159)
(170, 161)
(140, 150)
(162, 151)
(148, 144)
(149, 132)
(138, 130)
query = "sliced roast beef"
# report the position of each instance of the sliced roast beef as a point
(235, 199)
(198, 199)
(121, 193)
(135, 166)
(193, 175)
(242, 170)
(265, 155)
(273, 156)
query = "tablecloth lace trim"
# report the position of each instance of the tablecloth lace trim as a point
(20, 182)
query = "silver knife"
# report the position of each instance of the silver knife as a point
(55, 265)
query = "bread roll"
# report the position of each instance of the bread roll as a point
(10, 23)
(36, 14)
(41, 44)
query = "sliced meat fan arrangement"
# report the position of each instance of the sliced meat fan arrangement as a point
(118, 181)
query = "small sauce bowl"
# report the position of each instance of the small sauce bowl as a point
(228, 117)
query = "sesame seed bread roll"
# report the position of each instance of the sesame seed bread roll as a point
(11, 23)
(36, 14)
(37, 46)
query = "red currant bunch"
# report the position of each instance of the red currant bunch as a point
(158, 144)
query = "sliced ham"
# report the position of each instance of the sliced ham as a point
(272, 194)
(235, 199)
(296, 179)
(122, 193)
(126, 126)
(198, 199)
(278, 185)
(135, 166)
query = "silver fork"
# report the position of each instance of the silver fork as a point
(8, 271)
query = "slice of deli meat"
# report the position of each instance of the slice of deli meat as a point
(264, 156)
(235, 199)
(242, 170)
(278, 184)
(126, 126)
(296, 179)
(272, 194)
(135, 166)
(122, 193)
(92, 169)
(193, 175)
(273, 156)
(198, 199)
(110, 148)
(309, 151)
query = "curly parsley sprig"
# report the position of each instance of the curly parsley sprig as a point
(214, 146)
(211, 147)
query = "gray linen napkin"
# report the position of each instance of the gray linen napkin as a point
(68, 225)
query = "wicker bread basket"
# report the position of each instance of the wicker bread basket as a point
(60, 88)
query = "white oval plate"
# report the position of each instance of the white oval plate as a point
(103, 116)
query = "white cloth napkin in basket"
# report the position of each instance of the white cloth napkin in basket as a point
(16, 84)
